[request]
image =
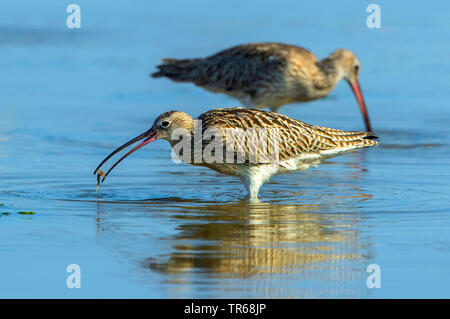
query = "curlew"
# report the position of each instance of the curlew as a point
(251, 144)
(269, 74)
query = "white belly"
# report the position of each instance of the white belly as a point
(300, 163)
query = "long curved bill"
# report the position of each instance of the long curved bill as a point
(362, 105)
(147, 137)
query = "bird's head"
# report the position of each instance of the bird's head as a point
(349, 66)
(163, 128)
(347, 63)
(169, 122)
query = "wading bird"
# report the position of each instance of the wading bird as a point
(298, 145)
(269, 74)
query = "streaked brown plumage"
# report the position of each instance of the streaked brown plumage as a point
(268, 74)
(299, 145)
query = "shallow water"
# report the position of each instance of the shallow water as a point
(157, 229)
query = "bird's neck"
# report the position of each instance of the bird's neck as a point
(330, 72)
(185, 131)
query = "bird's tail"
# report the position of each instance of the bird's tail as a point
(177, 70)
(336, 142)
(354, 139)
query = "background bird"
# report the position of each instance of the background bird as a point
(269, 74)
(298, 145)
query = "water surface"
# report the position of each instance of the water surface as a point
(157, 229)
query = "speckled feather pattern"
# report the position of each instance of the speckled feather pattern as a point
(257, 74)
(298, 145)
(296, 138)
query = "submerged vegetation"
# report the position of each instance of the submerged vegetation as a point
(20, 213)
(26, 213)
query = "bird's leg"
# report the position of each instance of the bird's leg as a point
(254, 177)
(252, 186)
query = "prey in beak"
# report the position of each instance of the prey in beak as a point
(147, 137)
(162, 128)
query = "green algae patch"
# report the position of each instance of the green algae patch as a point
(26, 213)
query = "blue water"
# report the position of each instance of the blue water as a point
(157, 229)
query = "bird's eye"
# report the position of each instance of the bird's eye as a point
(356, 68)
(165, 124)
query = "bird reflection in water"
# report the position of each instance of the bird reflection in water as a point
(263, 238)
(312, 236)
